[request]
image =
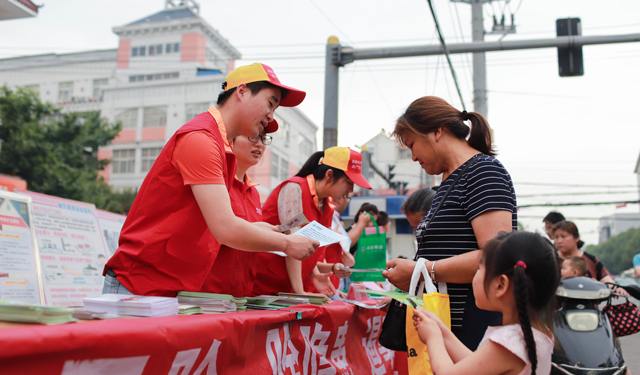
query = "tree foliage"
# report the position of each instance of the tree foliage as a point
(57, 153)
(618, 251)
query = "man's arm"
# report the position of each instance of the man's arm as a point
(232, 231)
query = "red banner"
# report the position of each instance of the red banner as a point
(303, 340)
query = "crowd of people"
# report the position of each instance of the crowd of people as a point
(197, 225)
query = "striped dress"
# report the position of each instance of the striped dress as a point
(485, 186)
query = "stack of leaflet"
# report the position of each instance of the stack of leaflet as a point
(123, 304)
(312, 298)
(189, 309)
(213, 303)
(29, 313)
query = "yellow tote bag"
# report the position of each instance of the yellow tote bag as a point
(434, 301)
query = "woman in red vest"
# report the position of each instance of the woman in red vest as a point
(232, 264)
(326, 176)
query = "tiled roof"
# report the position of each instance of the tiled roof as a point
(165, 15)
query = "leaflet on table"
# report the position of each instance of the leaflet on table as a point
(318, 232)
(19, 276)
(71, 248)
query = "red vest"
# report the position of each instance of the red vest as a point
(234, 271)
(165, 244)
(272, 277)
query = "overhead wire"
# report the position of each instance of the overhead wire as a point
(446, 52)
(373, 77)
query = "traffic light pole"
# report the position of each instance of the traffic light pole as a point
(338, 56)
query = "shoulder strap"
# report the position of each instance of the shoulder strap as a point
(444, 197)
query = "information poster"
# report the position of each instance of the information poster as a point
(72, 251)
(18, 259)
(110, 225)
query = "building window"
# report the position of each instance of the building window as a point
(176, 47)
(159, 49)
(123, 161)
(284, 169)
(152, 50)
(154, 117)
(194, 109)
(153, 77)
(149, 156)
(142, 51)
(65, 91)
(128, 118)
(98, 85)
(275, 165)
(34, 89)
(404, 153)
(211, 56)
(305, 148)
(134, 51)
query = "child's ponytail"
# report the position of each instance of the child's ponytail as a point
(520, 287)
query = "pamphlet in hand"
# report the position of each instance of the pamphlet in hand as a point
(319, 232)
(359, 270)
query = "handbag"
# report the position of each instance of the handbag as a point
(371, 254)
(392, 335)
(624, 318)
(434, 300)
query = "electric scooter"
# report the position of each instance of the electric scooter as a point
(585, 342)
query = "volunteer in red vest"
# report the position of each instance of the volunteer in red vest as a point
(326, 176)
(182, 213)
(231, 264)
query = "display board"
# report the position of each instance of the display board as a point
(19, 276)
(110, 225)
(71, 249)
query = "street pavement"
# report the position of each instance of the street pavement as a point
(631, 352)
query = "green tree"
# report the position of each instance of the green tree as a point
(56, 153)
(618, 251)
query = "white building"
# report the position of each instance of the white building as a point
(385, 152)
(168, 68)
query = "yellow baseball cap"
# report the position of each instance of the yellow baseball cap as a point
(347, 160)
(257, 72)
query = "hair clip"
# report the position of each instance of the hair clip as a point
(464, 115)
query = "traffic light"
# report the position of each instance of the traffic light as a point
(390, 175)
(569, 58)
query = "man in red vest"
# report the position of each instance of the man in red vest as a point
(182, 213)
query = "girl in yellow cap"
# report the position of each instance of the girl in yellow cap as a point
(326, 176)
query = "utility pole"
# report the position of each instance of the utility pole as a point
(479, 59)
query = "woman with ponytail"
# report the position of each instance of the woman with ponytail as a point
(327, 176)
(518, 277)
(481, 203)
